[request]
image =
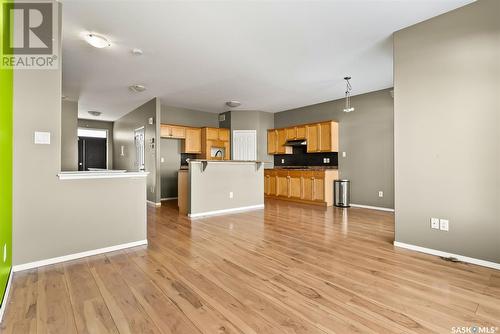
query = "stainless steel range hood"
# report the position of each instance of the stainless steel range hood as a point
(296, 143)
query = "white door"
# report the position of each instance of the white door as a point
(244, 145)
(139, 149)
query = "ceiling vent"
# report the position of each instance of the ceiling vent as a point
(137, 88)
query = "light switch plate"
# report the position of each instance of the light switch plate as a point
(162, 159)
(42, 138)
(344, 154)
(435, 223)
(444, 225)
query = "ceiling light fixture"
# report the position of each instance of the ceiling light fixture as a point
(95, 113)
(348, 90)
(137, 52)
(137, 88)
(233, 103)
(97, 41)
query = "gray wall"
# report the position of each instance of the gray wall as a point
(54, 218)
(447, 131)
(367, 137)
(123, 135)
(69, 136)
(94, 124)
(209, 189)
(170, 149)
(188, 117)
(255, 120)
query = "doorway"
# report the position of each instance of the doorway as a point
(92, 149)
(139, 149)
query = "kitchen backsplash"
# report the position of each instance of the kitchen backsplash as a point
(301, 158)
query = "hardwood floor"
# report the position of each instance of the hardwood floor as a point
(290, 268)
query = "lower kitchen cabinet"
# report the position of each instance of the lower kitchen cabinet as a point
(306, 186)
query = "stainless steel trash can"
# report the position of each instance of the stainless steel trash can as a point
(342, 193)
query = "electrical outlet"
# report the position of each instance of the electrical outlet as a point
(162, 159)
(435, 223)
(444, 225)
(282, 161)
(231, 194)
(327, 160)
(344, 154)
(380, 194)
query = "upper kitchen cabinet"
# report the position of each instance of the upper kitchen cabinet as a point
(320, 137)
(296, 132)
(172, 131)
(215, 144)
(192, 144)
(276, 140)
(216, 133)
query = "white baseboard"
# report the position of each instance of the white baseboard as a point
(75, 256)
(226, 211)
(6, 295)
(446, 254)
(153, 203)
(168, 199)
(372, 207)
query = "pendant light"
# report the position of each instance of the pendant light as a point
(348, 90)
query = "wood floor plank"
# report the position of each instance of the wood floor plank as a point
(22, 308)
(289, 268)
(54, 310)
(127, 313)
(91, 313)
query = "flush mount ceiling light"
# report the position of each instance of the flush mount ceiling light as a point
(137, 88)
(137, 52)
(97, 41)
(95, 113)
(348, 90)
(233, 103)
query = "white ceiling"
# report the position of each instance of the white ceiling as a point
(270, 55)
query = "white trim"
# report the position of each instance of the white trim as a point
(168, 198)
(75, 256)
(226, 211)
(6, 295)
(99, 175)
(446, 254)
(372, 207)
(154, 204)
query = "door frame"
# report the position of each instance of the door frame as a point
(107, 140)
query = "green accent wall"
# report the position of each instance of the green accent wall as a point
(5, 171)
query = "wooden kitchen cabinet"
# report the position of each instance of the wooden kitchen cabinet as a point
(295, 184)
(312, 137)
(282, 183)
(291, 133)
(272, 141)
(172, 131)
(192, 144)
(320, 137)
(281, 147)
(305, 186)
(301, 132)
(270, 183)
(213, 139)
